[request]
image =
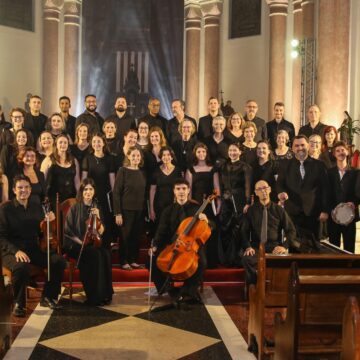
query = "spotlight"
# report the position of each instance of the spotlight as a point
(294, 54)
(295, 43)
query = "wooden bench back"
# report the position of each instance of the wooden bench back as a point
(351, 331)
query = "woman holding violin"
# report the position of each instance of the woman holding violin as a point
(82, 241)
(171, 218)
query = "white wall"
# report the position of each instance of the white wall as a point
(244, 64)
(20, 63)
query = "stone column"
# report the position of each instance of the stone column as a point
(278, 14)
(211, 10)
(333, 59)
(72, 11)
(51, 21)
(192, 62)
(308, 18)
(296, 75)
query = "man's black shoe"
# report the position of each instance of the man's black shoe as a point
(50, 303)
(19, 311)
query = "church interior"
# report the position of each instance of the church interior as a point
(296, 53)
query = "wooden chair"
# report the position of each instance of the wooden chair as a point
(61, 212)
(6, 303)
(351, 331)
(314, 317)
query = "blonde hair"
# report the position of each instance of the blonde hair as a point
(229, 125)
(248, 125)
(193, 129)
(130, 150)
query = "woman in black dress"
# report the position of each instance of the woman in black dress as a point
(266, 168)
(161, 188)
(28, 167)
(329, 138)
(282, 151)
(63, 176)
(99, 166)
(56, 125)
(9, 153)
(143, 134)
(45, 149)
(248, 147)
(235, 182)
(234, 128)
(183, 147)
(17, 117)
(216, 143)
(81, 147)
(129, 196)
(95, 262)
(204, 180)
(130, 140)
(112, 142)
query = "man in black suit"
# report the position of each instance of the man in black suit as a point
(251, 109)
(34, 120)
(345, 188)
(303, 186)
(205, 123)
(65, 105)
(314, 127)
(279, 123)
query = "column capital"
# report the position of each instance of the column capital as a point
(278, 7)
(307, 2)
(296, 6)
(211, 8)
(192, 10)
(72, 12)
(53, 4)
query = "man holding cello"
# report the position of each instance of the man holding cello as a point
(19, 243)
(167, 234)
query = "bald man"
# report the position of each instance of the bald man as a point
(254, 224)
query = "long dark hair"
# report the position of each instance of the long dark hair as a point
(83, 184)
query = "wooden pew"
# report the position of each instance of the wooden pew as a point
(314, 317)
(6, 301)
(272, 286)
(351, 331)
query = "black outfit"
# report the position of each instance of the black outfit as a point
(287, 156)
(248, 155)
(157, 120)
(20, 230)
(205, 128)
(129, 195)
(95, 122)
(164, 195)
(328, 158)
(37, 189)
(184, 152)
(151, 163)
(232, 139)
(278, 220)
(261, 133)
(170, 220)
(218, 152)
(267, 172)
(35, 124)
(99, 169)
(273, 128)
(95, 263)
(123, 124)
(173, 129)
(308, 197)
(345, 189)
(78, 154)
(70, 126)
(114, 145)
(60, 180)
(202, 186)
(235, 181)
(9, 165)
(7, 137)
(308, 130)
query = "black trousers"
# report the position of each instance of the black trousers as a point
(21, 274)
(95, 272)
(310, 223)
(250, 266)
(130, 230)
(190, 285)
(348, 233)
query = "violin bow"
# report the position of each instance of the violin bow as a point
(46, 209)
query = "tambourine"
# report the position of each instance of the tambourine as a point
(343, 214)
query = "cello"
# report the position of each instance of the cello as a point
(180, 259)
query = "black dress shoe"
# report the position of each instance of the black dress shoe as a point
(50, 303)
(19, 311)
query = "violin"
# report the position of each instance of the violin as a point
(92, 235)
(48, 235)
(180, 259)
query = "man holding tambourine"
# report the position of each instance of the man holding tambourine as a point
(344, 199)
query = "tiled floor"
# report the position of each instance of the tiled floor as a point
(125, 330)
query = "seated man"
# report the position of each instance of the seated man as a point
(170, 220)
(263, 223)
(19, 235)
